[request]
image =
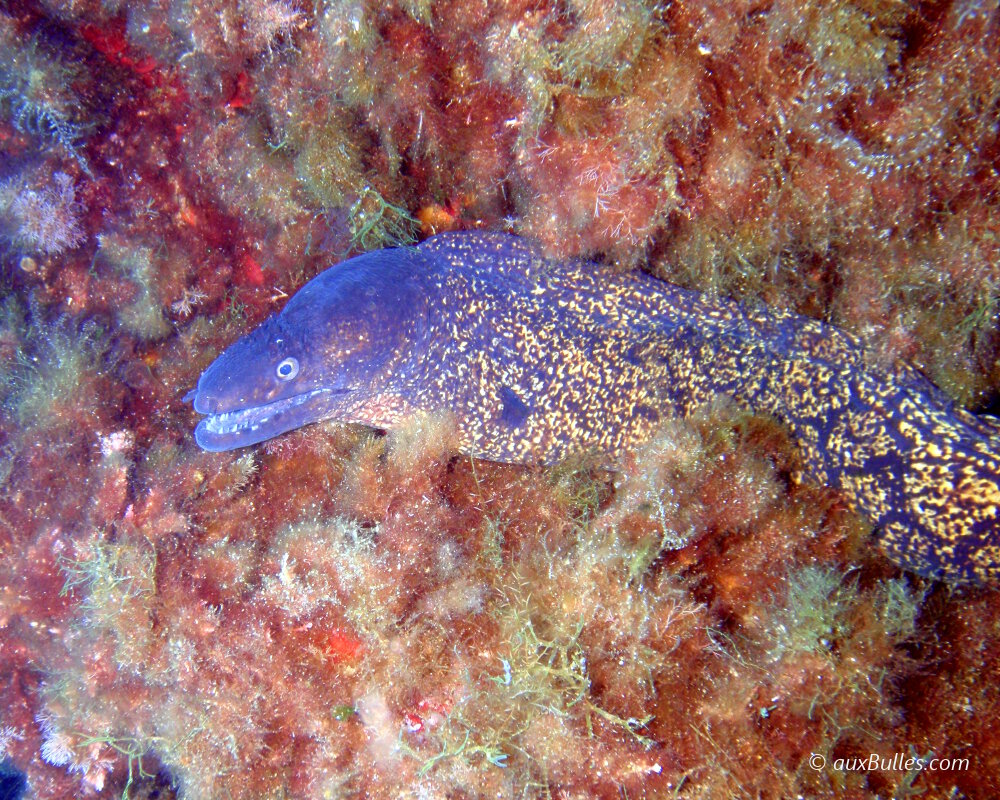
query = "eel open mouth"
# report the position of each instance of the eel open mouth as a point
(245, 426)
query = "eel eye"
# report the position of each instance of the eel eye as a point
(287, 369)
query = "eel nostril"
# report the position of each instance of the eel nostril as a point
(204, 403)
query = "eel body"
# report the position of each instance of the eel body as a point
(537, 359)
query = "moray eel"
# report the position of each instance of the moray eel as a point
(537, 359)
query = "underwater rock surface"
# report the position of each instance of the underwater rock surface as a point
(338, 613)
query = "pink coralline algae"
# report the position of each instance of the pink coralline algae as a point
(340, 612)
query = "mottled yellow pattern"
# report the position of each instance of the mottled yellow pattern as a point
(538, 359)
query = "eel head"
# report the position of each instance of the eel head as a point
(333, 352)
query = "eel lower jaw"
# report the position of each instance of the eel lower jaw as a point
(242, 427)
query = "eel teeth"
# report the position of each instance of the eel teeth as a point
(251, 419)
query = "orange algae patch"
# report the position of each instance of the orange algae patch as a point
(611, 206)
(832, 158)
(342, 645)
(451, 623)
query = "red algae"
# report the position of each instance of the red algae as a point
(347, 613)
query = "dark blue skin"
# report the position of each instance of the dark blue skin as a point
(536, 359)
(318, 358)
